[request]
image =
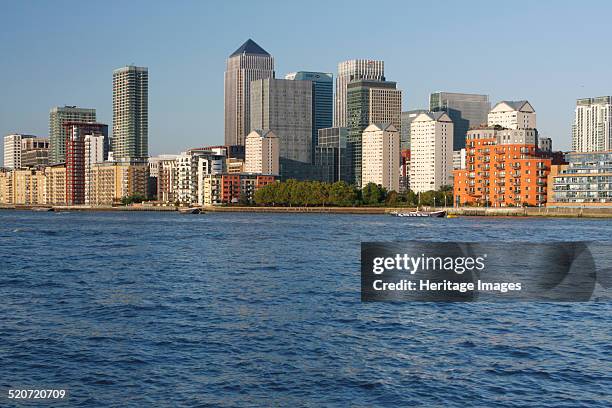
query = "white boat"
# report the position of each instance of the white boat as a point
(435, 214)
(42, 209)
(190, 210)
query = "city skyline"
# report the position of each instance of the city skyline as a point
(551, 81)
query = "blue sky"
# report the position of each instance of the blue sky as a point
(63, 53)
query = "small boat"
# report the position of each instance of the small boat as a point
(435, 214)
(190, 210)
(42, 209)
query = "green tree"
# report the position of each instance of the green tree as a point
(373, 194)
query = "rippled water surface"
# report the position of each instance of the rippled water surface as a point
(159, 309)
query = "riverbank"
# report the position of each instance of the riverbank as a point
(464, 211)
(560, 212)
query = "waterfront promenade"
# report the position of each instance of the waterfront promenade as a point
(562, 212)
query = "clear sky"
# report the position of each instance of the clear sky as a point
(57, 53)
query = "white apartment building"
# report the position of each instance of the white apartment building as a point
(592, 127)
(431, 151)
(94, 153)
(380, 153)
(12, 150)
(261, 152)
(513, 115)
(191, 168)
(459, 159)
(208, 165)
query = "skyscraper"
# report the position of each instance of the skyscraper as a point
(246, 64)
(57, 129)
(130, 113)
(592, 127)
(465, 110)
(322, 100)
(285, 107)
(350, 71)
(369, 102)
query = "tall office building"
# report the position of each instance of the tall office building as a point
(130, 113)
(369, 102)
(381, 156)
(431, 151)
(407, 118)
(58, 117)
(465, 110)
(246, 64)
(285, 107)
(350, 71)
(512, 115)
(12, 150)
(322, 99)
(592, 127)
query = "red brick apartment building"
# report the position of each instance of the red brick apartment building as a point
(504, 168)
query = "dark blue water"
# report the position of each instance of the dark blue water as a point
(158, 309)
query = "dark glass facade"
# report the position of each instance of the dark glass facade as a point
(331, 155)
(465, 110)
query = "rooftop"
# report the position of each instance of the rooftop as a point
(249, 47)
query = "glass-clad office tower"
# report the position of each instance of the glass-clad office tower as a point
(322, 100)
(465, 110)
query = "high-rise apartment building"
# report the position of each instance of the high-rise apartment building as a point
(592, 127)
(76, 158)
(407, 118)
(12, 150)
(503, 168)
(96, 151)
(431, 151)
(465, 110)
(322, 99)
(351, 71)
(246, 64)
(512, 115)
(130, 113)
(285, 107)
(262, 153)
(381, 156)
(369, 102)
(57, 129)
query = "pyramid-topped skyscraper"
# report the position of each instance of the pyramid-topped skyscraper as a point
(248, 63)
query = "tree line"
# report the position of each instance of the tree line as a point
(341, 194)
